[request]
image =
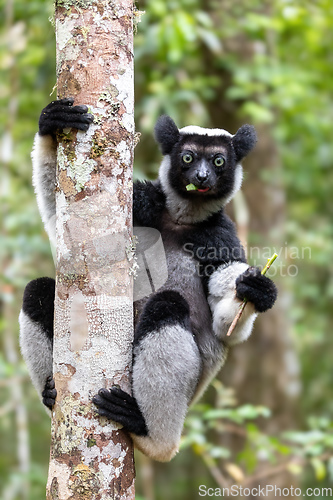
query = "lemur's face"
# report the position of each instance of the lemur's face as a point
(205, 159)
(205, 162)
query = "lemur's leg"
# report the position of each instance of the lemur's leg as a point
(166, 368)
(57, 115)
(36, 336)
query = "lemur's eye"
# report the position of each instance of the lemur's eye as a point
(187, 158)
(219, 161)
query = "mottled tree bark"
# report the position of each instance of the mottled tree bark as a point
(90, 457)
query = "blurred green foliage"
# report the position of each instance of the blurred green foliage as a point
(272, 62)
(294, 451)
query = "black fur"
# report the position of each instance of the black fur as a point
(213, 243)
(38, 303)
(62, 114)
(120, 407)
(148, 204)
(166, 134)
(244, 141)
(257, 288)
(163, 309)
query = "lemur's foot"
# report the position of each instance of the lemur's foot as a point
(49, 393)
(62, 114)
(256, 288)
(119, 406)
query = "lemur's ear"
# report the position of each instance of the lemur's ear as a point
(244, 141)
(166, 133)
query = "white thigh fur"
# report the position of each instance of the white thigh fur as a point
(36, 350)
(44, 161)
(165, 374)
(225, 305)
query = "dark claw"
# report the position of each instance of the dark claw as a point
(49, 393)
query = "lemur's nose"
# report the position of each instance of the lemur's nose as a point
(202, 174)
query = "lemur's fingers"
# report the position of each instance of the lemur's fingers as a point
(62, 114)
(256, 288)
(117, 397)
(119, 406)
(67, 101)
(50, 383)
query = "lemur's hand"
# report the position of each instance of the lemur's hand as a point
(256, 288)
(62, 114)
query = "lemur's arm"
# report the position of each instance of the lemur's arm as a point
(228, 286)
(58, 115)
(148, 204)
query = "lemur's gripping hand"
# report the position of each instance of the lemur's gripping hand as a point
(62, 114)
(49, 393)
(256, 288)
(119, 406)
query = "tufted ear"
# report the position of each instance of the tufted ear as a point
(244, 141)
(166, 134)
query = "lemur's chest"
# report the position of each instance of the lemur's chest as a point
(200, 242)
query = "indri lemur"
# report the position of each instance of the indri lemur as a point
(180, 338)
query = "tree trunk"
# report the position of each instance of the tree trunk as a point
(90, 457)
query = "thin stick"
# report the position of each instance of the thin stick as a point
(242, 307)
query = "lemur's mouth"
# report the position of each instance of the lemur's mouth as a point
(192, 187)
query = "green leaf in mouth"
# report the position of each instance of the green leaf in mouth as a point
(191, 187)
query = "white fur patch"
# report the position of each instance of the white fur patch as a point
(213, 132)
(165, 375)
(225, 305)
(44, 161)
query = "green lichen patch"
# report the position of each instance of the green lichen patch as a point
(66, 138)
(115, 154)
(84, 482)
(114, 108)
(91, 442)
(72, 279)
(67, 4)
(99, 145)
(109, 95)
(80, 171)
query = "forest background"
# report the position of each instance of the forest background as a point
(215, 63)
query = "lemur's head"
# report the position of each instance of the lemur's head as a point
(200, 164)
